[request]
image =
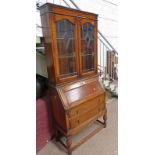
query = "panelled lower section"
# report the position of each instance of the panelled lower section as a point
(83, 102)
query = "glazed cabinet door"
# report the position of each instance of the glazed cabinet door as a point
(88, 46)
(66, 54)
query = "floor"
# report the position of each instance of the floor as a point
(104, 142)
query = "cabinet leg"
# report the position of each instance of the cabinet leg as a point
(69, 143)
(105, 118)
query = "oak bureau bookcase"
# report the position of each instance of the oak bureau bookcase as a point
(77, 96)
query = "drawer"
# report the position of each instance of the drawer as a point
(86, 106)
(79, 119)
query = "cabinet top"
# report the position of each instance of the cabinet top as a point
(53, 8)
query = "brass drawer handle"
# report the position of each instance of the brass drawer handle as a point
(77, 111)
(99, 100)
(78, 121)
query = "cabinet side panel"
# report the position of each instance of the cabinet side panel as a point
(58, 111)
(45, 20)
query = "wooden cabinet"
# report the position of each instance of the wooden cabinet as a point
(78, 97)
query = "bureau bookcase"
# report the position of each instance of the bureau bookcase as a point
(77, 95)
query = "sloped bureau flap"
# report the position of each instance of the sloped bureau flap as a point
(74, 93)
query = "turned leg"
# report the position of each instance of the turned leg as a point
(105, 118)
(69, 143)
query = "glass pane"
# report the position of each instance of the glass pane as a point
(87, 43)
(66, 47)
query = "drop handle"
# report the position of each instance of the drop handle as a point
(78, 121)
(77, 111)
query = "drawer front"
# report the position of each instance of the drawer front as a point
(74, 92)
(86, 111)
(87, 105)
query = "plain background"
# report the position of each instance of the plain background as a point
(136, 77)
